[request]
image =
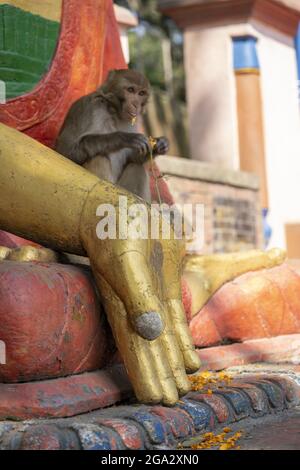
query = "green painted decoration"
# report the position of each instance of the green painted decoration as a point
(27, 45)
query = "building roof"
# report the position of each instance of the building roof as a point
(292, 4)
(283, 15)
(125, 16)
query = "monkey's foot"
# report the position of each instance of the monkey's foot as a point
(206, 274)
(28, 253)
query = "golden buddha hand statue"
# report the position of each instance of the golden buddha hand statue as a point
(52, 201)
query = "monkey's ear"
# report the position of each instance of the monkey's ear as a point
(107, 84)
(112, 78)
(111, 75)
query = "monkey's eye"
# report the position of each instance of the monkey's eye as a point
(142, 93)
(130, 89)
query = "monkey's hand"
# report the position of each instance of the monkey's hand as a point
(161, 146)
(138, 145)
(139, 282)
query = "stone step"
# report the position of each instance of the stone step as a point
(135, 426)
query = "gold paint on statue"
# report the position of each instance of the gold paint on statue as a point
(30, 253)
(4, 252)
(206, 274)
(49, 199)
(53, 201)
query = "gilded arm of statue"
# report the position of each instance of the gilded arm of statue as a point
(51, 200)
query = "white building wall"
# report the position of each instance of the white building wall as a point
(282, 128)
(125, 20)
(211, 96)
(212, 109)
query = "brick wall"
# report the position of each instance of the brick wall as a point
(232, 216)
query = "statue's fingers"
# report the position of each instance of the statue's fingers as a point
(135, 289)
(159, 358)
(140, 357)
(146, 362)
(183, 334)
(174, 250)
(143, 308)
(175, 358)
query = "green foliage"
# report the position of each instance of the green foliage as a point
(146, 45)
(146, 55)
(166, 111)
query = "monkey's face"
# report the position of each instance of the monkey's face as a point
(133, 101)
(128, 90)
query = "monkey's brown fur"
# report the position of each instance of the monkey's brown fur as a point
(98, 132)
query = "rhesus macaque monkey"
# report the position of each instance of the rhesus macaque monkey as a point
(100, 133)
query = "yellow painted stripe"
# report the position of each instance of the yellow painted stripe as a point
(247, 71)
(50, 9)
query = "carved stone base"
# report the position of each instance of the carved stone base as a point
(65, 396)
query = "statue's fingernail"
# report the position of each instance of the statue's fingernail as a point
(149, 325)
